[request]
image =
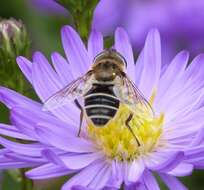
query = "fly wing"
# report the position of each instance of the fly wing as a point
(129, 94)
(72, 91)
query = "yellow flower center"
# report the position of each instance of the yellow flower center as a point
(116, 140)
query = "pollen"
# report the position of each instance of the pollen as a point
(116, 140)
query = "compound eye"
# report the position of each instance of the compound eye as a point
(100, 64)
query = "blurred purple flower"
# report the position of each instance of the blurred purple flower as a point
(171, 143)
(48, 7)
(180, 22)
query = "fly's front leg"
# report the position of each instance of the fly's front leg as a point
(81, 116)
(130, 129)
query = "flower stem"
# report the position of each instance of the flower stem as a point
(26, 184)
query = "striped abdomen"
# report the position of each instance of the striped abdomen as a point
(101, 104)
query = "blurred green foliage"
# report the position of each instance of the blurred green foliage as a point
(44, 33)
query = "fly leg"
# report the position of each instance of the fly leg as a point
(130, 129)
(81, 116)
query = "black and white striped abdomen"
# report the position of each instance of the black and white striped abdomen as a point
(101, 104)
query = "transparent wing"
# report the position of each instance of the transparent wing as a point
(73, 90)
(129, 94)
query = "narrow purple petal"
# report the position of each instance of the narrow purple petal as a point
(48, 171)
(46, 83)
(11, 131)
(75, 51)
(183, 169)
(23, 158)
(26, 120)
(172, 182)
(12, 99)
(123, 46)
(199, 138)
(150, 181)
(79, 187)
(199, 165)
(116, 178)
(6, 163)
(164, 161)
(79, 161)
(189, 84)
(52, 157)
(25, 149)
(152, 64)
(177, 66)
(139, 67)
(95, 44)
(62, 68)
(26, 67)
(86, 176)
(136, 170)
(140, 186)
(71, 144)
(45, 80)
(101, 178)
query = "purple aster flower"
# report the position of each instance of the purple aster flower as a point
(48, 6)
(108, 157)
(180, 22)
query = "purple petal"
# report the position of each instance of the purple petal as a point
(181, 170)
(79, 187)
(95, 44)
(45, 80)
(136, 186)
(12, 99)
(52, 157)
(26, 120)
(136, 170)
(58, 128)
(164, 161)
(123, 46)
(75, 51)
(101, 178)
(62, 68)
(199, 165)
(23, 158)
(25, 149)
(116, 178)
(198, 138)
(150, 181)
(6, 163)
(46, 83)
(65, 142)
(48, 171)
(86, 176)
(26, 67)
(152, 64)
(139, 67)
(185, 91)
(177, 66)
(195, 154)
(11, 131)
(79, 161)
(172, 182)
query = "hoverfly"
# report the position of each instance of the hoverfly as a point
(102, 88)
